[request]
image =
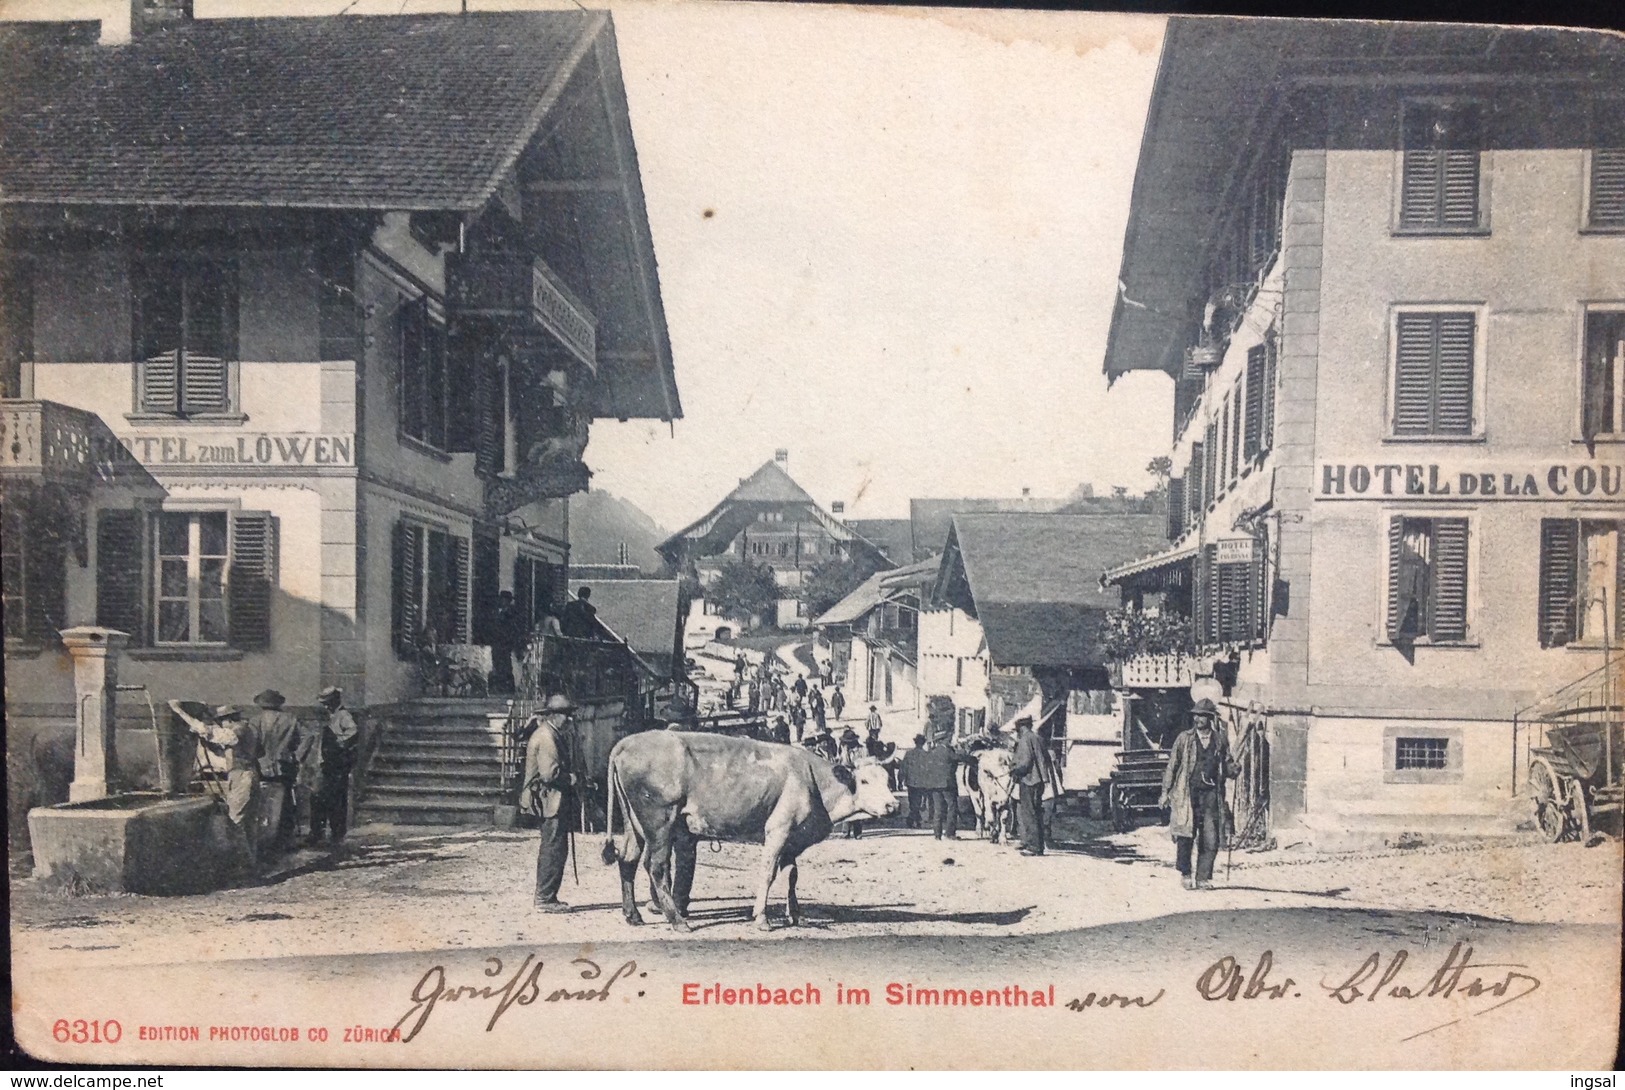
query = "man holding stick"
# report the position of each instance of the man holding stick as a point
(548, 778)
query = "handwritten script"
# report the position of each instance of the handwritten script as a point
(521, 988)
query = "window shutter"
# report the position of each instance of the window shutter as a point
(1607, 188)
(1413, 374)
(1559, 571)
(1260, 592)
(160, 383)
(413, 314)
(1453, 412)
(1604, 353)
(489, 417)
(436, 381)
(1194, 484)
(459, 585)
(1253, 430)
(524, 589)
(1396, 534)
(1450, 579)
(1419, 188)
(406, 617)
(210, 309)
(253, 575)
(1210, 471)
(1176, 508)
(157, 293)
(1459, 196)
(203, 384)
(46, 578)
(1208, 596)
(120, 586)
(1267, 396)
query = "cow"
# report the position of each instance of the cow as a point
(675, 788)
(991, 796)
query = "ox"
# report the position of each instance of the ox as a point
(991, 797)
(674, 788)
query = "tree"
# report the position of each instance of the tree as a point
(743, 591)
(832, 580)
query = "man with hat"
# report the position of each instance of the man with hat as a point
(545, 789)
(937, 767)
(325, 762)
(279, 768)
(914, 781)
(230, 737)
(1193, 793)
(1029, 768)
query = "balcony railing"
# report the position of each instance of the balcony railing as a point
(42, 440)
(551, 480)
(518, 288)
(1154, 672)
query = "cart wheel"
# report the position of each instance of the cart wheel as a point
(1577, 807)
(1543, 791)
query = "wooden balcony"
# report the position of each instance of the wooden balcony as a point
(525, 291)
(551, 480)
(46, 442)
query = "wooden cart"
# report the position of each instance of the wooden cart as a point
(1575, 777)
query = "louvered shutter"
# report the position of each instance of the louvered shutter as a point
(252, 578)
(1210, 470)
(1396, 536)
(1453, 398)
(1210, 594)
(46, 578)
(1619, 582)
(203, 384)
(120, 584)
(1267, 398)
(1253, 428)
(1559, 571)
(1607, 205)
(1413, 374)
(406, 616)
(1176, 508)
(1449, 579)
(1260, 591)
(1419, 189)
(1196, 482)
(1440, 167)
(459, 589)
(1199, 597)
(209, 301)
(489, 416)
(158, 290)
(1459, 189)
(413, 316)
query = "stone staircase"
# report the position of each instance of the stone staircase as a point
(437, 762)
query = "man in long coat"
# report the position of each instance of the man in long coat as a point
(1193, 793)
(1030, 769)
(546, 786)
(326, 759)
(280, 746)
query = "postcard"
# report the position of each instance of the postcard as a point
(712, 535)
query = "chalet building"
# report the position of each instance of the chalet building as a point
(1385, 270)
(771, 521)
(313, 355)
(1017, 612)
(873, 639)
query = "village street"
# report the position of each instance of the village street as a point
(1099, 913)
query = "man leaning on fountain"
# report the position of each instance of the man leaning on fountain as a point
(230, 737)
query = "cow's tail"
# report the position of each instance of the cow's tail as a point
(630, 846)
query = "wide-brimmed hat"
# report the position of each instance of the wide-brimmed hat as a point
(332, 692)
(558, 702)
(1204, 708)
(228, 711)
(1024, 721)
(270, 698)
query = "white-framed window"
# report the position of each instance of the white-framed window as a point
(1602, 372)
(1429, 579)
(1436, 368)
(1442, 181)
(192, 552)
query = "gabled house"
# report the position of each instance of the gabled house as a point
(351, 290)
(771, 521)
(1017, 609)
(873, 638)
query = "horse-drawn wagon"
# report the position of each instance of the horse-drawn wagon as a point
(1576, 739)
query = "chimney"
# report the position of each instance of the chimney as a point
(781, 456)
(148, 16)
(837, 507)
(1026, 493)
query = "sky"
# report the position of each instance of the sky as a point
(888, 242)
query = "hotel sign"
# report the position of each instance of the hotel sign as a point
(1234, 550)
(1473, 483)
(260, 450)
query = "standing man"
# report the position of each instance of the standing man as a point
(1030, 770)
(329, 756)
(280, 746)
(546, 786)
(816, 700)
(1193, 792)
(800, 688)
(579, 618)
(914, 781)
(937, 764)
(508, 639)
(837, 702)
(230, 737)
(798, 720)
(873, 722)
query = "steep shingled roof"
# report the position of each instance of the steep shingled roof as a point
(397, 112)
(1035, 579)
